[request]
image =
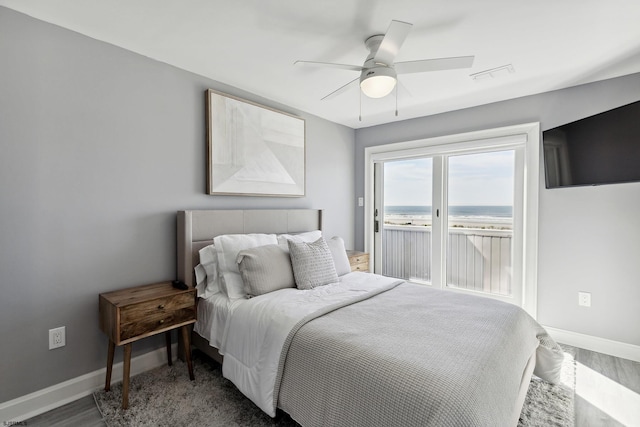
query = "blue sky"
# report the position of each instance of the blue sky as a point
(474, 179)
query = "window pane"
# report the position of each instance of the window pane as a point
(406, 232)
(480, 221)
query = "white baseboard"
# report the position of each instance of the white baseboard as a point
(36, 403)
(601, 345)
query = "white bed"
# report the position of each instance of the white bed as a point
(274, 344)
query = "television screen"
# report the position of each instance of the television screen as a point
(600, 149)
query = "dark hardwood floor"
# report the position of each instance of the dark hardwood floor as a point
(607, 394)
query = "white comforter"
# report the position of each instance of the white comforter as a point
(257, 329)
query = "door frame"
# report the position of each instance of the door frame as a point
(529, 134)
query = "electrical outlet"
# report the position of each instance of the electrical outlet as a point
(360, 201)
(57, 338)
(584, 299)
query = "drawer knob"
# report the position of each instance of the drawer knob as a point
(161, 321)
(161, 307)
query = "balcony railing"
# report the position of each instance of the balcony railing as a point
(476, 259)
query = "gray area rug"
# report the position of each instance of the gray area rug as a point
(552, 405)
(165, 397)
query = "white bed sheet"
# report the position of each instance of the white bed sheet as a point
(213, 313)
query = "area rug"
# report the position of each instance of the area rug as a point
(165, 397)
(552, 405)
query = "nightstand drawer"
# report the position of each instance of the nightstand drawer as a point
(156, 308)
(360, 259)
(156, 322)
(127, 315)
(360, 267)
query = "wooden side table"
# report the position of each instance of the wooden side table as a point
(128, 315)
(359, 261)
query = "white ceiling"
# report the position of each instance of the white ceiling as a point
(252, 45)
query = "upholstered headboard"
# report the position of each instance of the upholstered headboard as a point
(197, 228)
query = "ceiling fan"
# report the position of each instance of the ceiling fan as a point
(378, 74)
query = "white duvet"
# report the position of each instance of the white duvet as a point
(257, 329)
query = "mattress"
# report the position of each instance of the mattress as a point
(213, 314)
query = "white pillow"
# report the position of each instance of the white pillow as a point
(308, 236)
(339, 255)
(207, 277)
(227, 247)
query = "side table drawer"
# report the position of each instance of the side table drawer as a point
(157, 322)
(156, 308)
(360, 267)
(360, 259)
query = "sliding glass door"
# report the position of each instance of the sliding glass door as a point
(452, 218)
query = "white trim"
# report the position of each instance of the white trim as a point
(498, 138)
(531, 196)
(601, 345)
(41, 401)
(413, 149)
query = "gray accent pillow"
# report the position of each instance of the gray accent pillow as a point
(312, 264)
(339, 255)
(265, 269)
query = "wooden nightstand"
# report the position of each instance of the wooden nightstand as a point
(128, 315)
(359, 261)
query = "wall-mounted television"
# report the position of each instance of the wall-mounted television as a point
(596, 150)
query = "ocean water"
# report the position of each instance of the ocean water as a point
(456, 211)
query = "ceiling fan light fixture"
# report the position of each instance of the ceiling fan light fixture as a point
(377, 82)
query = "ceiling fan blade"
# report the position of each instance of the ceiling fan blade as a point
(392, 41)
(340, 90)
(434, 64)
(329, 64)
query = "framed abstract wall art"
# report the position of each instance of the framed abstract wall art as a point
(253, 150)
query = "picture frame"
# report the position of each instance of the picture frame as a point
(253, 150)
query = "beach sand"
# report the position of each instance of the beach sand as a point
(457, 222)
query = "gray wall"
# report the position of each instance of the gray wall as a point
(588, 237)
(99, 147)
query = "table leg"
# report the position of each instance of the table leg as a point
(112, 349)
(125, 375)
(168, 338)
(184, 331)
